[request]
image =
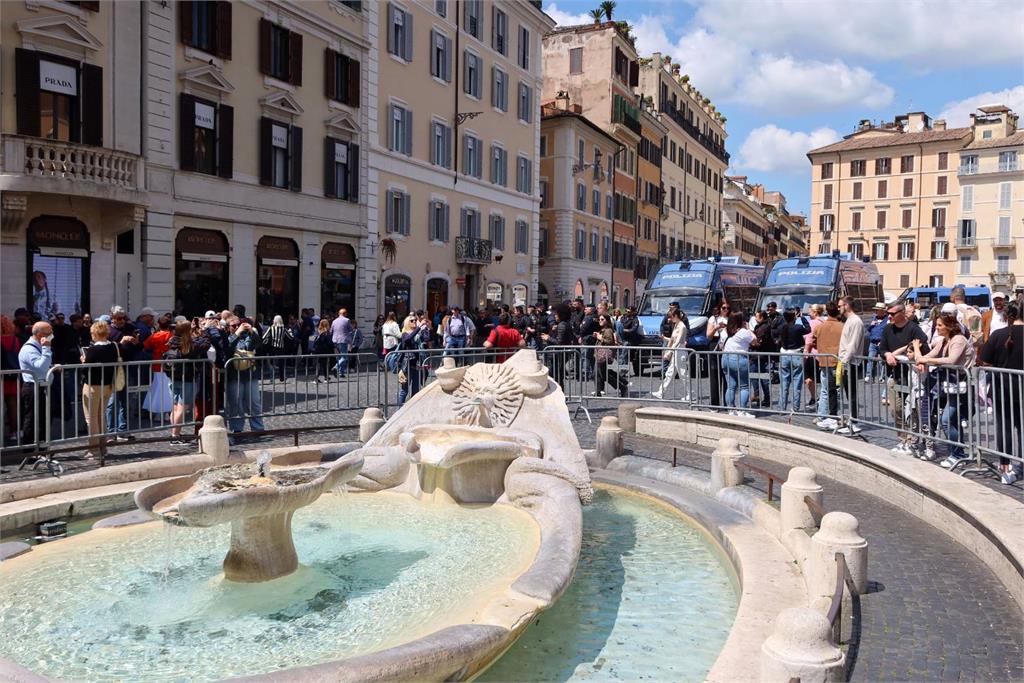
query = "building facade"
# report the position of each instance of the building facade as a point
(650, 195)
(747, 232)
(454, 135)
(576, 206)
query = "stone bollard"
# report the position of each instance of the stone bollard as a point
(839, 532)
(627, 416)
(800, 647)
(795, 514)
(609, 442)
(213, 439)
(724, 472)
(371, 421)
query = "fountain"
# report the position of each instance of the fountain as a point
(257, 499)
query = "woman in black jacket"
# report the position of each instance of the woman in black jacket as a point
(99, 384)
(560, 335)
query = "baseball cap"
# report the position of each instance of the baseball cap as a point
(210, 314)
(147, 311)
(105, 318)
(879, 306)
(180, 319)
(948, 307)
(1000, 295)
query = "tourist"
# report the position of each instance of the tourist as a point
(736, 361)
(994, 318)
(604, 354)
(126, 336)
(875, 327)
(588, 326)
(955, 350)
(408, 358)
(716, 335)
(22, 325)
(341, 334)
(791, 362)
(10, 345)
(817, 317)
(145, 323)
(561, 336)
(665, 329)
(896, 342)
(275, 339)
(183, 352)
(967, 315)
(1004, 350)
(242, 374)
(631, 336)
(851, 349)
(378, 336)
(158, 398)
(825, 344)
(98, 384)
(457, 330)
(675, 355)
(504, 336)
(763, 345)
(35, 359)
(322, 347)
(391, 333)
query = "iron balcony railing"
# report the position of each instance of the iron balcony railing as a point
(472, 250)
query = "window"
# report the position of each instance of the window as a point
(499, 31)
(608, 206)
(581, 244)
(544, 244)
(544, 203)
(499, 89)
(341, 169)
(400, 130)
(825, 222)
(939, 217)
(908, 186)
(880, 251)
(968, 164)
(1002, 264)
(543, 145)
(441, 7)
(857, 250)
(883, 166)
(473, 18)
(470, 223)
(966, 235)
(472, 75)
(280, 155)
(354, 5)
(1008, 161)
(826, 170)
(595, 202)
(440, 144)
(524, 48)
(907, 163)
(206, 26)
(986, 135)
(967, 198)
(499, 166)
(400, 32)
(280, 52)
(883, 188)
(907, 218)
(439, 219)
(856, 220)
(858, 168)
(904, 281)
(606, 249)
(1004, 238)
(581, 197)
(342, 78)
(940, 186)
(935, 281)
(880, 220)
(965, 265)
(581, 152)
(906, 251)
(857, 190)
(522, 237)
(440, 56)
(827, 202)
(525, 103)
(593, 246)
(398, 209)
(576, 60)
(943, 161)
(524, 175)
(1005, 196)
(207, 131)
(496, 232)
(472, 155)
(58, 98)
(940, 250)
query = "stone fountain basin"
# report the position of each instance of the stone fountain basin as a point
(446, 446)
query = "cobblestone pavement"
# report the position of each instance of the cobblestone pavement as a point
(935, 612)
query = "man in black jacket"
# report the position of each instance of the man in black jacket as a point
(896, 340)
(632, 336)
(588, 326)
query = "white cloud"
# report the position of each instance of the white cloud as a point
(650, 35)
(958, 113)
(770, 148)
(784, 83)
(567, 18)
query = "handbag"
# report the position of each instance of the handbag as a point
(603, 354)
(119, 379)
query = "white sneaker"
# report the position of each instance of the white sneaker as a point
(743, 413)
(828, 425)
(929, 454)
(1008, 477)
(656, 394)
(900, 449)
(685, 399)
(849, 430)
(950, 462)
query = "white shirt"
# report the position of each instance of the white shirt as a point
(713, 322)
(739, 341)
(998, 321)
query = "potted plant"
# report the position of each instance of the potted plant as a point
(388, 249)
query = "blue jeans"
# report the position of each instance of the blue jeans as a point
(763, 384)
(412, 374)
(118, 404)
(952, 414)
(451, 348)
(342, 349)
(791, 379)
(244, 398)
(828, 397)
(873, 363)
(737, 373)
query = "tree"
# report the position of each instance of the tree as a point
(597, 14)
(608, 7)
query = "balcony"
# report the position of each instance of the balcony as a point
(41, 165)
(966, 242)
(1008, 166)
(693, 131)
(967, 169)
(1003, 240)
(472, 251)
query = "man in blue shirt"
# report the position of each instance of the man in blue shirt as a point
(341, 335)
(35, 360)
(875, 329)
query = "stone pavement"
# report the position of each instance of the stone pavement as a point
(934, 612)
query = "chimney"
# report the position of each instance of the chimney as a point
(562, 100)
(939, 124)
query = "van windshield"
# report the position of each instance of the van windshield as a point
(656, 303)
(788, 297)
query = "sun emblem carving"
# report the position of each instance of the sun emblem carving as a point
(489, 396)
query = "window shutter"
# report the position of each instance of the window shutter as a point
(186, 132)
(222, 44)
(354, 83)
(407, 141)
(393, 144)
(329, 167)
(435, 128)
(389, 211)
(448, 59)
(494, 27)
(330, 74)
(392, 48)
(407, 49)
(634, 74)
(27, 91)
(446, 221)
(463, 223)
(467, 85)
(465, 154)
(406, 214)
(266, 151)
(933, 251)
(295, 58)
(353, 172)
(295, 158)
(92, 104)
(265, 28)
(479, 158)
(225, 141)
(185, 10)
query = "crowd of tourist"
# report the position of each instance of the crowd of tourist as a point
(192, 367)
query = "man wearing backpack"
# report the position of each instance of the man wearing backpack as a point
(967, 315)
(243, 387)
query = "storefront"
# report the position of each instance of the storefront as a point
(337, 279)
(58, 266)
(397, 295)
(200, 272)
(277, 278)
(494, 292)
(519, 295)
(437, 295)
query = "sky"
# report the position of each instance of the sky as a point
(793, 75)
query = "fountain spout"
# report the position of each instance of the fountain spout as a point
(483, 408)
(263, 463)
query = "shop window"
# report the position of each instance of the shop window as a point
(277, 278)
(494, 292)
(206, 136)
(58, 266)
(338, 278)
(341, 169)
(519, 295)
(206, 25)
(280, 155)
(200, 271)
(397, 295)
(280, 52)
(58, 98)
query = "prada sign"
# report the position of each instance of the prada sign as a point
(58, 78)
(204, 116)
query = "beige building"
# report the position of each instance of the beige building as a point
(786, 236)
(650, 194)
(694, 161)
(576, 206)
(454, 135)
(746, 229)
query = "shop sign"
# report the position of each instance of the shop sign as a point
(279, 136)
(205, 258)
(340, 153)
(204, 116)
(460, 281)
(58, 78)
(337, 256)
(59, 234)
(196, 241)
(277, 248)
